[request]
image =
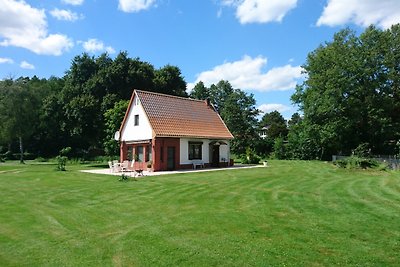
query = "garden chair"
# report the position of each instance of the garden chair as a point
(111, 166)
(124, 166)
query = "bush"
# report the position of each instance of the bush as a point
(362, 151)
(250, 157)
(9, 156)
(280, 148)
(124, 178)
(61, 162)
(355, 162)
(62, 158)
(41, 159)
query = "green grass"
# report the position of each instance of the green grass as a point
(290, 214)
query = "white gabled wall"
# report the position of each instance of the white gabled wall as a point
(140, 132)
(224, 153)
(184, 150)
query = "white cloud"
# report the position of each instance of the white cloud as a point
(73, 2)
(247, 74)
(383, 13)
(266, 108)
(62, 14)
(26, 65)
(135, 5)
(261, 11)
(94, 46)
(24, 26)
(6, 60)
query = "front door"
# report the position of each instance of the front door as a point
(215, 156)
(171, 158)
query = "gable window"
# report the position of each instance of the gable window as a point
(136, 120)
(195, 150)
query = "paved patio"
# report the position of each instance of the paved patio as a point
(147, 173)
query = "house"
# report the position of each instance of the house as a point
(263, 132)
(170, 132)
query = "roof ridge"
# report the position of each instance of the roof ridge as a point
(171, 96)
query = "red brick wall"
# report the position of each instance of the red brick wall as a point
(162, 144)
(137, 165)
(123, 151)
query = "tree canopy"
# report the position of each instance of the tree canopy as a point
(236, 108)
(74, 111)
(349, 99)
(351, 93)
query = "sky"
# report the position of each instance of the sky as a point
(257, 45)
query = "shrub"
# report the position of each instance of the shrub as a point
(123, 178)
(62, 158)
(355, 162)
(61, 162)
(362, 150)
(9, 156)
(41, 159)
(250, 157)
(279, 149)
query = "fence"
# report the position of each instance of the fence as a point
(392, 161)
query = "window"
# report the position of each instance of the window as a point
(130, 153)
(139, 153)
(148, 153)
(136, 120)
(195, 149)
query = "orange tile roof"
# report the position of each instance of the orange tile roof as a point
(172, 116)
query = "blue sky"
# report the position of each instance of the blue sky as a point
(258, 45)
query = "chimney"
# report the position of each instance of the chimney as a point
(207, 101)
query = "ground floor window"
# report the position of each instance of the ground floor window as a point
(195, 150)
(148, 153)
(130, 153)
(139, 154)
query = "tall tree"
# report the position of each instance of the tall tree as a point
(236, 108)
(169, 80)
(348, 97)
(18, 112)
(275, 124)
(200, 91)
(113, 118)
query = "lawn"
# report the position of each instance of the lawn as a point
(292, 213)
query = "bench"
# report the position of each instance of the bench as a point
(196, 163)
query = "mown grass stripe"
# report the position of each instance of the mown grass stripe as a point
(292, 213)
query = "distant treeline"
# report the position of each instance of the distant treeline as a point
(350, 99)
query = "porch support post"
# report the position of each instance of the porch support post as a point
(123, 151)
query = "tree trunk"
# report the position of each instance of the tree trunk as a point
(21, 150)
(322, 153)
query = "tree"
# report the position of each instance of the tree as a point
(113, 118)
(236, 108)
(18, 112)
(349, 96)
(200, 91)
(294, 120)
(219, 93)
(94, 85)
(240, 115)
(275, 125)
(169, 80)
